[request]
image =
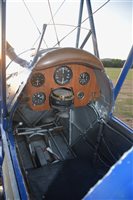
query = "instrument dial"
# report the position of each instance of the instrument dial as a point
(80, 95)
(63, 75)
(84, 78)
(37, 79)
(38, 98)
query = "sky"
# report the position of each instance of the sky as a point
(113, 25)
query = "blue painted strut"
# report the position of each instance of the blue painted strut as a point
(128, 64)
(94, 37)
(79, 22)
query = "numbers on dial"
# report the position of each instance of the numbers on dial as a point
(84, 78)
(63, 75)
(37, 79)
(38, 98)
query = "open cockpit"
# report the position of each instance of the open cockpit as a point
(64, 136)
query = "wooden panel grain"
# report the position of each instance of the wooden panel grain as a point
(91, 90)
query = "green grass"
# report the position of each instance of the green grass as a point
(124, 102)
(123, 108)
(113, 73)
(129, 101)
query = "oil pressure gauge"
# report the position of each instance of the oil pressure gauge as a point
(84, 78)
(63, 75)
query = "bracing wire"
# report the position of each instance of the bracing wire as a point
(105, 164)
(52, 17)
(69, 25)
(58, 9)
(101, 7)
(34, 21)
(31, 17)
(66, 35)
(82, 22)
(115, 131)
(109, 150)
(96, 11)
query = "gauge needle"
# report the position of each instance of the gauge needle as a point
(37, 82)
(62, 80)
(63, 70)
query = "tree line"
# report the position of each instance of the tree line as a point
(117, 63)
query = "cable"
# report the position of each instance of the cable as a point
(33, 20)
(117, 132)
(82, 22)
(51, 20)
(65, 36)
(103, 140)
(96, 10)
(69, 25)
(57, 11)
(53, 23)
(103, 161)
(52, 16)
(98, 141)
(31, 17)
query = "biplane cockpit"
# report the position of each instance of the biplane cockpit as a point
(58, 134)
(61, 125)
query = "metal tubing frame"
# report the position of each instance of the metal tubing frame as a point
(94, 38)
(3, 61)
(86, 39)
(17, 170)
(4, 122)
(79, 22)
(121, 123)
(128, 64)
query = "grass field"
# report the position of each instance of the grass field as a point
(124, 103)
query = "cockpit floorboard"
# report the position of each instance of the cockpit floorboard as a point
(68, 171)
(63, 180)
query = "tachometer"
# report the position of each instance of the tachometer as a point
(63, 75)
(84, 78)
(37, 79)
(38, 98)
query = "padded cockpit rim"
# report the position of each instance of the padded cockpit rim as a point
(68, 56)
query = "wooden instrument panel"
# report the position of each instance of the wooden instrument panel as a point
(83, 93)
